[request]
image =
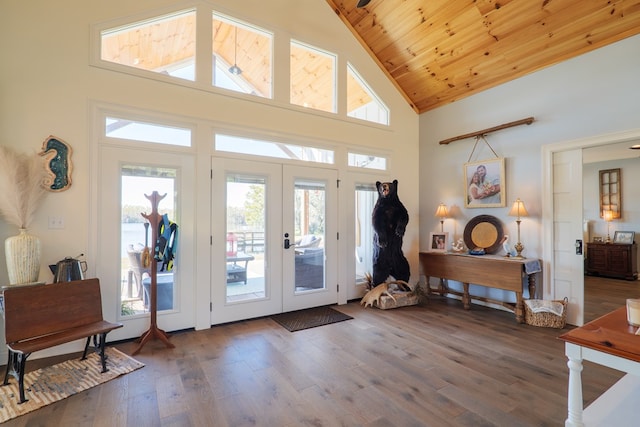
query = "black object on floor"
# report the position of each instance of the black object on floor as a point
(309, 318)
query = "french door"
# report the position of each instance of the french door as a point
(274, 245)
(126, 177)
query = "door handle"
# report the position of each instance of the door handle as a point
(287, 242)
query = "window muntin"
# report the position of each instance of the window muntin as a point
(280, 150)
(313, 77)
(366, 161)
(362, 102)
(242, 57)
(165, 45)
(146, 131)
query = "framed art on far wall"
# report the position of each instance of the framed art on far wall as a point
(438, 242)
(623, 237)
(485, 184)
(610, 194)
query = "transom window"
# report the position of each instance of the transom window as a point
(366, 161)
(146, 131)
(280, 150)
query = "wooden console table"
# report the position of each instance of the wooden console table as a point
(608, 341)
(492, 271)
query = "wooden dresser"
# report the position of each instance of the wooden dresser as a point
(618, 260)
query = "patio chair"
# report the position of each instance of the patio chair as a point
(142, 278)
(308, 241)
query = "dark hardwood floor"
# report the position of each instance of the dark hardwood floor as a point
(429, 365)
(603, 295)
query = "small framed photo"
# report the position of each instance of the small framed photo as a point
(485, 184)
(438, 242)
(597, 239)
(623, 237)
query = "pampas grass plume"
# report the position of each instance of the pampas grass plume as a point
(21, 186)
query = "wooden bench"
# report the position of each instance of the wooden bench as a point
(42, 316)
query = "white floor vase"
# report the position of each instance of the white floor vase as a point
(23, 258)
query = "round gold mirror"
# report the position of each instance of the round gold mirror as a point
(484, 232)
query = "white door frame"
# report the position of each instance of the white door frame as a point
(548, 237)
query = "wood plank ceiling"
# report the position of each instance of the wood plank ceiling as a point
(440, 51)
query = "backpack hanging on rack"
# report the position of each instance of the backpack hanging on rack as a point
(166, 245)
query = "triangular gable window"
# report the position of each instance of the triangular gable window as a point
(362, 102)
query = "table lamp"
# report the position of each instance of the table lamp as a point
(608, 216)
(518, 210)
(442, 213)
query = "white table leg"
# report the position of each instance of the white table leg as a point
(574, 398)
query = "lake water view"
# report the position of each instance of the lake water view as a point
(132, 234)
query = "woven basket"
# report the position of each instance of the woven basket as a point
(546, 320)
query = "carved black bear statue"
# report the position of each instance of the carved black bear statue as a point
(390, 219)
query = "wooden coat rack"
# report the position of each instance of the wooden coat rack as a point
(153, 331)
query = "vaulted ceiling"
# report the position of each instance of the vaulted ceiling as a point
(440, 51)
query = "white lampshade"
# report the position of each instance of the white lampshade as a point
(442, 212)
(518, 209)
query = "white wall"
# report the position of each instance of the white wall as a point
(594, 94)
(47, 85)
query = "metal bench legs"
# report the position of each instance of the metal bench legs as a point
(99, 348)
(15, 367)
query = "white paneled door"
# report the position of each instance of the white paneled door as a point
(568, 266)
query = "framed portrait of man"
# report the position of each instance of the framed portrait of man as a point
(485, 184)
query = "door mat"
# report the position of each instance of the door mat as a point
(309, 318)
(54, 383)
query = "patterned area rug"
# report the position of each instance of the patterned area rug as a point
(310, 318)
(57, 382)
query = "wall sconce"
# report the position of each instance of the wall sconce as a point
(518, 210)
(608, 216)
(442, 213)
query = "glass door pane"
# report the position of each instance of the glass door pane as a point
(309, 235)
(365, 199)
(137, 247)
(310, 222)
(245, 237)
